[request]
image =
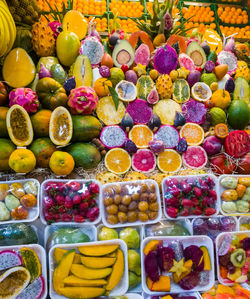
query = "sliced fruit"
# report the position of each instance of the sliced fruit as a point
(97, 250)
(97, 262)
(186, 61)
(75, 281)
(201, 92)
(166, 110)
(81, 69)
(59, 253)
(144, 85)
(197, 54)
(169, 161)
(140, 111)
(181, 91)
(87, 273)
(237, 143)
(74, 21)
(126, 91)
(82, 292)
(34, 290)
(118, 161)
(113, 136)
(206, 258)
(194, 111)
(152, 245)
(123, 53)
(169, 135)
(141, 135)
(179, 40)
(117, 271)
(31, 262)
(227, 57)
(144, 160)
(242, 89)
(195, 157)
(9, 259)
(19, 126)
(193, 133)
(213, 39)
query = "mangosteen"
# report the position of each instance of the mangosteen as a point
(154, 122)
(114, 38)
(182, 145)
(205, 46)
(230, 85)
(179, 119)
(127, 122)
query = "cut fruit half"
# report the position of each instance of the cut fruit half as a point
(140, 111)
(126, 91)
(60, 126)
(118, 161)
(181, 91)
(166, 110)
(201, 92)
(193, 133)
(169, 161)
(169, 135)
(141, 135)
(195, 157)
(113, 136)
(143, 160)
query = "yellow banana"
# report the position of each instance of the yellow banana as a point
(11, 26)
(3, 44)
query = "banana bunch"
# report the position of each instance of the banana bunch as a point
(7, 29)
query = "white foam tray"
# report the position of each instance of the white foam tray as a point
(133, 296)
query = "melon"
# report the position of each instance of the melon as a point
(140, 111)
(144, 85)
(169, 135)
(195, 157)
(181, 91)
(113, 136)
(34, 291)
(144, 161)
(238, 114)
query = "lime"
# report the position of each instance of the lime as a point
(116, 75)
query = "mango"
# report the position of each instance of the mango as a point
(117, 272)
(82, 292)
(162, 285)
(206, 256)
(245, 181)
(86, 273)
(75, 281)
(152, 245)
(59, 253)
(97, 250)
(97, 262)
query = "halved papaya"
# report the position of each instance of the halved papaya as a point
(144, 37)
(19, 126)
(177, 39)
(60, 126)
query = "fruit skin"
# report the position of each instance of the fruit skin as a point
(3, 94)
(123, 46)
(3, 126)
(164, 87)
(192, 50)
(238, 114)
(228, 58)
(35, 290)
(221, 165)
(85, 127)
(6, 148)
(237, 143)
(23, 39)
(97, 250)
(218, 116)
(24, 97)
(84, 272)
(244, 164)
(242, 90)
(40, 122)
(22, 161)
(221, 98)
(85, 79)
(43, 149)
(97, 263)
(61, 163)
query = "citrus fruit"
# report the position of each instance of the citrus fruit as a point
(116, 75)
(61, 163)
(101, 87)
(193, 133)
(218, 116)
(213, 39)
(195, 157)
(117, 160)
(143, 160)
(6, 148)
(166, 110)
(169, 161)
(141, 135)
(22, 160)
(107, 112)
(201, 92)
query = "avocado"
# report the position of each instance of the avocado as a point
(197, 54)
(82, 71)
(212, 56)
(242, 89)
(123, 54)
(57, 72)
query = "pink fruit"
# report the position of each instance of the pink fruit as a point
(9, 259)
(169, 135)
(212, 145)
(143, 160)
(226, 57)
(142, 55)
(24, 97)
(156, 146)
(94, 188)
(194, 111)
(131, 76)
(195, 157)
(165, 59)
(34, 291)
(193, 77)
(187, 62)
(48, 202)
(76, 199)
(153, 97)
(172, 212)
(140, 111)
(113, 136)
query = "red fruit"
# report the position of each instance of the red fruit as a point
(84, 206)
(60, 199)
(197, 192)
(48, 202)
(172, 212)
(197, 211)
(94, 188)
(75, 211)
(50, 186)
(207, 201)
(237, 143)
(187, 203)
(124, 68)
(74, 186)
(212, 194)
(47, 216)
(56, 217)
(172, 202)
(221, 164)
(86, 195)
(93, 213)
(199, 69)
(66, 217)
(195, 201)
(244, 164)
(210, 211)
(68, 202)
(209, 104)
(77, 199)
(79, 218)
(62, 209)
(175, 191)
(185, 212)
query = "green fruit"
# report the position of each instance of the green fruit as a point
(242, 89)
(40, 122)
(85, 127)
(144, 85)
(212, 56)
(85, 155)
(181, 91)
(107, 233)
(57, 72)
(81, 69)
(23, 39)
(197, 54)
(47, 62)
(133, 280)
(123, 53)
(238, 257)
(6, 148)
(218, 116)
(208, 78)
(116, 75)
(238, 114)
(43, 149)
(3, 127)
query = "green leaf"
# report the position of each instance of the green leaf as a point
(114, 96)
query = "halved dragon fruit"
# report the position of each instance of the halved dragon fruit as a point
(9, 259)
(194, 111)
(186, 61)
(93, 49)
(34, 291)
(228, 58)
(165, 59)
(144, 160)
(142, 55)
(140, 111)
(113, 136)
(169, 135)
(195, 157)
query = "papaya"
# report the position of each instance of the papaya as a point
(85, 127)
(62, 270)
(152, 245)
(206, 258)
(174, 38)
(86, 273)
(117, 273)
(43, 149)
(40, 122)
(97, 262)
(97, 250)
(59, 253)
(81, 292)
(75, 281)
(3, 126)
(162, 285)
(141, 36)
(6, 149)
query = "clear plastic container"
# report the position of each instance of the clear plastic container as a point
(79, 192)
(194, 294)
(40, 251)
(133, 296)
(243, 220)
(122, 286)
(33, 212)
(131, 188)
(183, 178)
(186, 241)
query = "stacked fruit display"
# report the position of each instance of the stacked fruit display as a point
(222, 291)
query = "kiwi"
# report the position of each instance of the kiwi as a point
(238, 257)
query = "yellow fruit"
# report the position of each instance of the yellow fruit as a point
(22, 161)
(61, 163)
(193, 133)
(117, 271)
(169, 161)
(117, 160)
(97, 250)
(75, 22)
(153, 74)
(101, 87)
(173, 75)
(166, 110)
(87, 273)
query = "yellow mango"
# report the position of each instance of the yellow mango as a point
(245, 181)
(112, 254)
(97, 262)
(162, 285)
(117, 272)
(82, 292)
(167, 297)
(75, 281)
(97, 250)
(152, 245)
(221, 289)
(59, 253)
(206, 256)
(86, 273)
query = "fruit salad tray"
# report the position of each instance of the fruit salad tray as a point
(194, 295)
(244, 223)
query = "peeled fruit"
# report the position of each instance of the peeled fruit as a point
(117, 271)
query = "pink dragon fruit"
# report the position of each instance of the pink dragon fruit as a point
(56, 27)
(82, 100)
(165, 59)
(93, 49)
(24, 97)
(226, 57)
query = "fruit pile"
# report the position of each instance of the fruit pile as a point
(232, 15)
(243, 32)
(126, 8)
(200, 14)
(222, 292)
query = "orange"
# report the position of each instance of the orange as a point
(117, 160)
(141, 135)
(169, 161)
(101, 87)
(61, 163)
(22, 160)
(193, 133)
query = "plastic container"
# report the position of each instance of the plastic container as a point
(43, 194)
(183, 178)
(186, 241)
(222, 189)
(132, 190)
(133, 296)
(121, 288)
(195, 294)
(88, 229)
(218, 239)
(243, 220)
(40, 251)
(33, 212)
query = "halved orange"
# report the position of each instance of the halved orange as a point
(193, 133)
(141, 135)
(117, 160)
(169, 161)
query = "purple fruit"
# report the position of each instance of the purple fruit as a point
(153, 97)
(179, 119)
(200, 226)
(104, 71)
(140, 111)
(131, 76)
(182, 145)
(127, 122)
(209, 66)
(230, 85)
(165, 59)
(43, 72)
(190, 281)
(151, 266)
(130, 147)
(246, 244)
(165, 256)
(214, 224)
(228, 223)
(194, 111)
(69, 84)
(212, 145)
(194, 253)
(156, 146)
(224, 259)
(193, 77)
(154, 122)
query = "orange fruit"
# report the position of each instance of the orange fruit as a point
(22, 160)
(117, 160)
(61, 163)
(193, 133)
(101, 87)
(169, 161)
(141, 135)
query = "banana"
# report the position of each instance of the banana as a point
(3, 44)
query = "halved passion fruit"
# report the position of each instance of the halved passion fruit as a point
(201, 92)
(61, 126)
(126, 91)
(19, 126)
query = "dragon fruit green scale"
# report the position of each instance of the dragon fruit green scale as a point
(82, 100)
(26, 98)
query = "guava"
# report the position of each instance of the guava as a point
(134, 261)
(131, 237)
(107, 233)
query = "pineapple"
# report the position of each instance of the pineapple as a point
(107, 177)
(43, 39)
(164, 87)
(134, 176)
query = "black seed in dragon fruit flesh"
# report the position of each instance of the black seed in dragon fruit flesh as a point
(182, 145)
(178, 250)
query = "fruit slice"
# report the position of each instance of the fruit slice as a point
(169, 161)
(75, 22)
(82, 71)
(140, 111)
(31, 262)
(237, 143)
(117, 271)
(201, 92)
(197, 54)
(224, 245)
(186, 61)
(144, 160)
(107, 112)
(118, 161)
(126, 91)
(194, 111)
(19, 126)
(193, 133)
(59, 253)
(141, 135)
(242, 89)
(169, 135)
(9, 259)
(195, 157)
(75, 281)
(213, 39)
(35, 290)
(60, 126)
(181, 91)
(179, 40)
(123, 53)
(166, 110)
(82, 292)
(226, 57)
(87, 273)
(97, 262)
(113, 136)
(97, 250)
(144, 85)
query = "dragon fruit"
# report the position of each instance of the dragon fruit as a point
(56, 27)
(93, 49)
(194, 111)
(34, 291)
(187, 62)
(82, 100)
(142, 55)
(165, 59)
(24, 97)
(9, 259)
(228, 58)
